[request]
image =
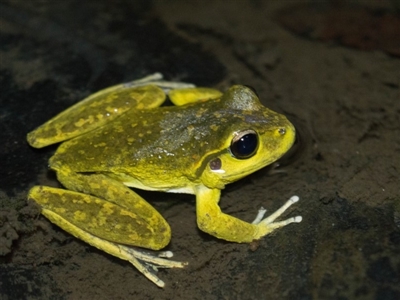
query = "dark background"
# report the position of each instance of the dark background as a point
(333, 69)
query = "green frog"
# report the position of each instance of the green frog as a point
(122, 137)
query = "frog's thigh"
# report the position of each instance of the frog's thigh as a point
(79, 214)
(95, 111)
(114, 191)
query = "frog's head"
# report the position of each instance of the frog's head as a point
(250, 137)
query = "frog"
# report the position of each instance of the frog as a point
(123, 137)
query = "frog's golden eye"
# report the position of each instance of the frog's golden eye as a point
(244, 144)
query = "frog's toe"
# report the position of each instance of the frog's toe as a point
(275, 225)
(146, 262)
(165, 254)
(267, 225)
(270, 219)
(158, 80)
(260, 216)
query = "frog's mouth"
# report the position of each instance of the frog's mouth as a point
(239, 173)
(229, 168)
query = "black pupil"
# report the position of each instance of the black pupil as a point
(245, 146)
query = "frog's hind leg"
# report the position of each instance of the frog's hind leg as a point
(111, 218)
(180, 93)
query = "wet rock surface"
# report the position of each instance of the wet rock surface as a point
(344, 102)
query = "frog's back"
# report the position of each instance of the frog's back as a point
(162, 146)
(156, 140)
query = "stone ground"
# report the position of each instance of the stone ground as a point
(333, 70)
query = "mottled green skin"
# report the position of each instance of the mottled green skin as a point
(121, 137)
(169, 147)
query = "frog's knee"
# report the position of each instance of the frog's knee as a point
(34, 192)
(161, 237)
(42, 195)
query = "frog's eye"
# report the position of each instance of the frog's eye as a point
(244, 144)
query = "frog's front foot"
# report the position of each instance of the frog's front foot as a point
(267, 225)
(147, 263)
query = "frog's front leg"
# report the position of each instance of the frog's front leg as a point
(112, 217)
(212, 220)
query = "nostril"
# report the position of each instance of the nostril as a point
(282, 131)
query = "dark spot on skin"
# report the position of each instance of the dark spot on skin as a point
(215, 164)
